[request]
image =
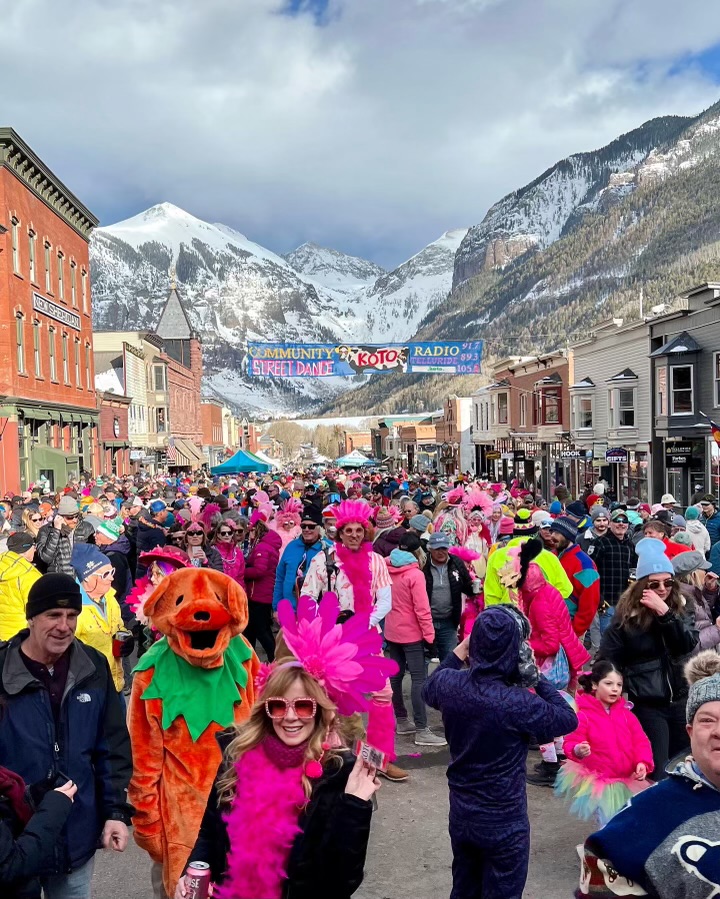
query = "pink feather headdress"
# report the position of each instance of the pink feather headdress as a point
(263, 513)
(290, 511)
(454, 496)
(353, 511)
(477, 500)
(345, 659)
(464, 553)
(210, 515)
(195, 503)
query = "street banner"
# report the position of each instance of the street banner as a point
(327, 360)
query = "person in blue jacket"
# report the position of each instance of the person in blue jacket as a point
(297, 556)
(490, 717)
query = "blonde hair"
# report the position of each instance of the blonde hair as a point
(28, 524)
(252, 732)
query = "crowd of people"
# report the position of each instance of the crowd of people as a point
(220, 664)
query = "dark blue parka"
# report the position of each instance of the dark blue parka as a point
(489, 723)
(91, 744)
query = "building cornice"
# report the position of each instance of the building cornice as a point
(17, 157)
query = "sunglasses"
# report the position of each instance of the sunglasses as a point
(277, 708)
(224, 533)
(659, 585)
(70, 517)
(108, 576)
(308, 527)
(194, 533)
(34, 520)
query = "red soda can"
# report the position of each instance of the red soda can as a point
(197, 880)
(117, 642)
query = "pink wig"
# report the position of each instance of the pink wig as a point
(352, 511)
(289, 513)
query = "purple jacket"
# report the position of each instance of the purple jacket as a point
(260, 567)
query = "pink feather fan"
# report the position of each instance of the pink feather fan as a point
(345, 658)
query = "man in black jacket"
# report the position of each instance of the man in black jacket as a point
(63, 720)
(447, 579)
(614, 556)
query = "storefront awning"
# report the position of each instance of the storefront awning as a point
(35, 414)
(187, 454)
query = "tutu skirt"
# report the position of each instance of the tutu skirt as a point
(593, 797)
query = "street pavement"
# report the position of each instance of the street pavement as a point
(409, 854)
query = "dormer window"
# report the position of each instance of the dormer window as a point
(681, 393)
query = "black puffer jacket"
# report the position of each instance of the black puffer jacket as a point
(652, 660)
(25, 851)
(460, 583)
(327, 859)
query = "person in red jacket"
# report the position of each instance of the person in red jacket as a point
(408, 631)
(659, 527)
(583, 575)
(608, 755)
(260, 567)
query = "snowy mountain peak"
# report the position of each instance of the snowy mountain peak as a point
(332, 269)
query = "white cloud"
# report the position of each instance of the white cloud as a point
(396, 121)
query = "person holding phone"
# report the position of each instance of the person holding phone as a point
(31, 821)
(289, 813)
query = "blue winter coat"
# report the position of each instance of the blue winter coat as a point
(91, 745)
(489, 723)
(713, 526)
(296, 555)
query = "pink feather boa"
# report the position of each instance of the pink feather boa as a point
(358, 571)
(262, 825)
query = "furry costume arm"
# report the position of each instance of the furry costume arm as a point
(145, 725)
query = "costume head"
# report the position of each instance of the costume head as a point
(199, 610)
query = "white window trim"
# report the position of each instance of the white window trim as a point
(671, 392)
(614, 406)
(507, 408)
(576, 399)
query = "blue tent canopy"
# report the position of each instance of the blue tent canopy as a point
(241, 462)
(355, 459)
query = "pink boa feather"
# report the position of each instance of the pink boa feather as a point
(358, 571)
(261, 825)
(381, 727)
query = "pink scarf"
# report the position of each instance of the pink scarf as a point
(358, 571)
(263, 820)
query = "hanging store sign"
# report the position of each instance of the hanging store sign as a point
(59, 313)
(492, 456)
(678, 454)
(572, 454)
(318, 360)
(617, 456)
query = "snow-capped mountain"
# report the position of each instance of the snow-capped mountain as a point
(535, 216)
(236, 290)
(332, 270)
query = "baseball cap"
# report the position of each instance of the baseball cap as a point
(438, 541)
(157, 506)
(20, 542)
(620, 515)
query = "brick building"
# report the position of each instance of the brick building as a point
(114, 436)
(212, 435)
(49, 416)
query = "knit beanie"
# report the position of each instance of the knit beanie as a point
(506, 527)
(524, 526)
(652, 558)
(576, 509)
(703, 675)
(87, 559)
(419, 523)
(692, 513)
(385, 519)
(599, 512)
(555, 507)
(53, 591)
(566, 527)
(110, 529)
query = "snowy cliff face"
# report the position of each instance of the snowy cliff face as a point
(537, 215)
(235, 291)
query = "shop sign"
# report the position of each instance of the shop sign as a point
(572, 454)
(59, 313)
(492, 456)
(136, 455)
(678, 454)
(519, 455)
(616, 455)
(507, 457)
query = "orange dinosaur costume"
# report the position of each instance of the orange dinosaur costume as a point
(192, 683)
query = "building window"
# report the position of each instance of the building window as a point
(160, 420)
(48, 267)
(88, 382)
(523, 410)
(20, 341)
(53, 364)
(583, 412)
(15, 238)
(78, 379)
(61, 276)
(502, 408)
(551, 407)
(65, 359)
(73, 284)
(31, 256)
(662, 388)
(681, 390)
(621, 407)
(84, 288)
(36, 349)
(159, 378)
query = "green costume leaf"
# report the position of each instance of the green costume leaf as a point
(199, 695)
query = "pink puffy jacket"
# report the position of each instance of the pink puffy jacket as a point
(550, 622)
(617, 741)
(409, 620)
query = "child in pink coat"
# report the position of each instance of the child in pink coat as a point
(608, 756)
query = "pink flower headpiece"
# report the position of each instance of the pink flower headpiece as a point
(345, 659)
(353, 511)
(455, 496)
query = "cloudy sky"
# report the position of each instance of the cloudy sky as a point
(368, 125)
